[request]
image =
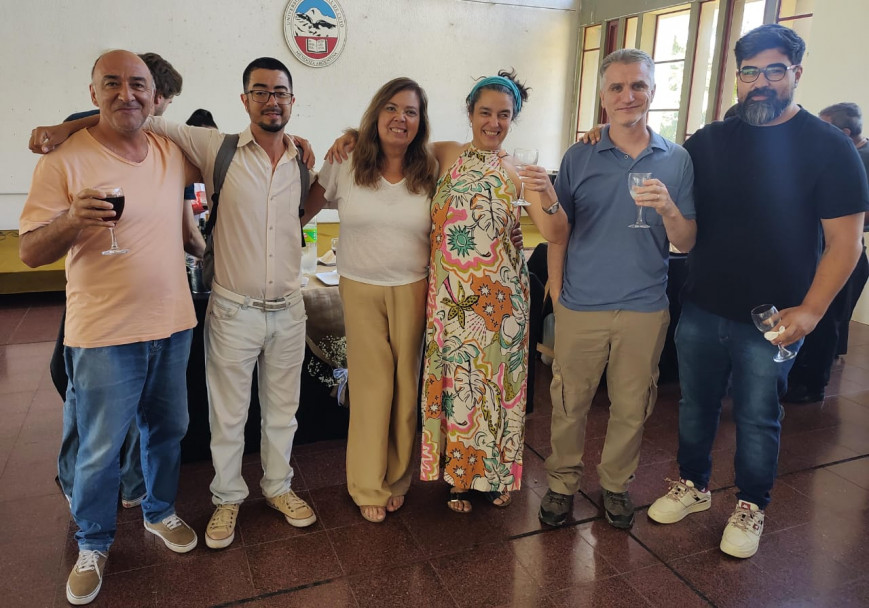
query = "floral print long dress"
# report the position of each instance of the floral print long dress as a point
(476, 355)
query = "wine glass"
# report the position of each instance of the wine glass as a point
(115, 196)
(766, 317)
(335, 250)
(522, 157)
(637, 180)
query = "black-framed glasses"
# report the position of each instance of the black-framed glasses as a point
(283, 98)
(773, 73)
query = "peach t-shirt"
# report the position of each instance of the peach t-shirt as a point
(121, 299)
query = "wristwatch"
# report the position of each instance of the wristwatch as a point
(553, 209)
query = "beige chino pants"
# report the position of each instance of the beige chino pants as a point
(629, 345)
(385, 327)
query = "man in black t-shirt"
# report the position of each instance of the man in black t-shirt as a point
(764, 183)
(811, 371)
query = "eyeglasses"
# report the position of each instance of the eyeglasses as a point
(772, 73)
(283, 98)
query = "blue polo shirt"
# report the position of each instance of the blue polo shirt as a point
(608, 265)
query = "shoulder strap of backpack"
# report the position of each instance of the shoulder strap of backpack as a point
(221, 166)
(305, 176)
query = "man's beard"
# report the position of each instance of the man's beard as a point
(759, 112)
(272, 127)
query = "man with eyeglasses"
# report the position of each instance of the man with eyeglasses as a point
(255, 316)
(767, 185)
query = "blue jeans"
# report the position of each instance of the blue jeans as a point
(712, 350)
(109, 387)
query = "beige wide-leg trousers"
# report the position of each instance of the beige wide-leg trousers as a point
(385, 326)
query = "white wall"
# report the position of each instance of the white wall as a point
(48, 48)
(835, 70)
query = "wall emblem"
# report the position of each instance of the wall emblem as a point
(316, 31)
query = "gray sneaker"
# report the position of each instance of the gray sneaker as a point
(554, 508)
(619, 509)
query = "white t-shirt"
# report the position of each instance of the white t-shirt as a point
(385, 231)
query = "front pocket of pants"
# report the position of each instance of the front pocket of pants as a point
(222, 309)
(297, 311)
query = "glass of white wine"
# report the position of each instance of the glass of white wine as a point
(521, 158)
(638, 180)
(766, 318)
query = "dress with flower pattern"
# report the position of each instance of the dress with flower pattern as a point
(476, 356)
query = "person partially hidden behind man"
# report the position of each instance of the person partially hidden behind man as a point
(810, 374)
(129, 316)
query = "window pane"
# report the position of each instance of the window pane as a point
(630, 40)
(664, 123)
(588, 91)
(668, 85)
(753, 16)
(789, 8)
(592, 37)
(671, 37)
(698, 104)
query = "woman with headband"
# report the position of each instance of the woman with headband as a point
(476, 356)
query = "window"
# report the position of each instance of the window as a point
(698, 105)
(586, 114)
(671, 43)
(797, 15)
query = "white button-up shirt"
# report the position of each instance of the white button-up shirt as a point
(257, 239)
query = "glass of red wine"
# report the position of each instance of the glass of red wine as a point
(115, 196)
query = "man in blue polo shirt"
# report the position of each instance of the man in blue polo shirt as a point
(609, 285)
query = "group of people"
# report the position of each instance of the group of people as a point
(431, 273)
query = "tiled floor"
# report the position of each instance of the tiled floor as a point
(813, 553)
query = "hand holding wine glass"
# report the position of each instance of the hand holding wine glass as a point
(115, 196)
(521, 158)
(635, 181)
(766, 319)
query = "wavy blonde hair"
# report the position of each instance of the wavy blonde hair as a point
(419, 165)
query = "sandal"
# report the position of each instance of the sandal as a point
(499, 499)
(460, 502)
(372, 514)
(394, 503)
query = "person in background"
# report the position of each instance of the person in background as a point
(609, 286)
(810, 374)
(763, 185)
(199, 118)
(476, 345)
(167, 84)
(129, 317)
(383, 196)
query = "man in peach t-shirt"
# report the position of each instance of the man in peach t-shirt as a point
(129, 316)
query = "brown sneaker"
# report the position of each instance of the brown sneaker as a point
(176, 534)
(86, 578)
(221, 527)
(296, 511)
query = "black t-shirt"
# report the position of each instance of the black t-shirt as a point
(760, 193)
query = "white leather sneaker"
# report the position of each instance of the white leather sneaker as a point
(742, 534)
(682, 499)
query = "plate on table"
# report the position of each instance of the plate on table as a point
(329, 278)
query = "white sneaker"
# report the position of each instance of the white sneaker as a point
(682, 499)
(742, 534)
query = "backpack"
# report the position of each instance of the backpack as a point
(221, 166)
